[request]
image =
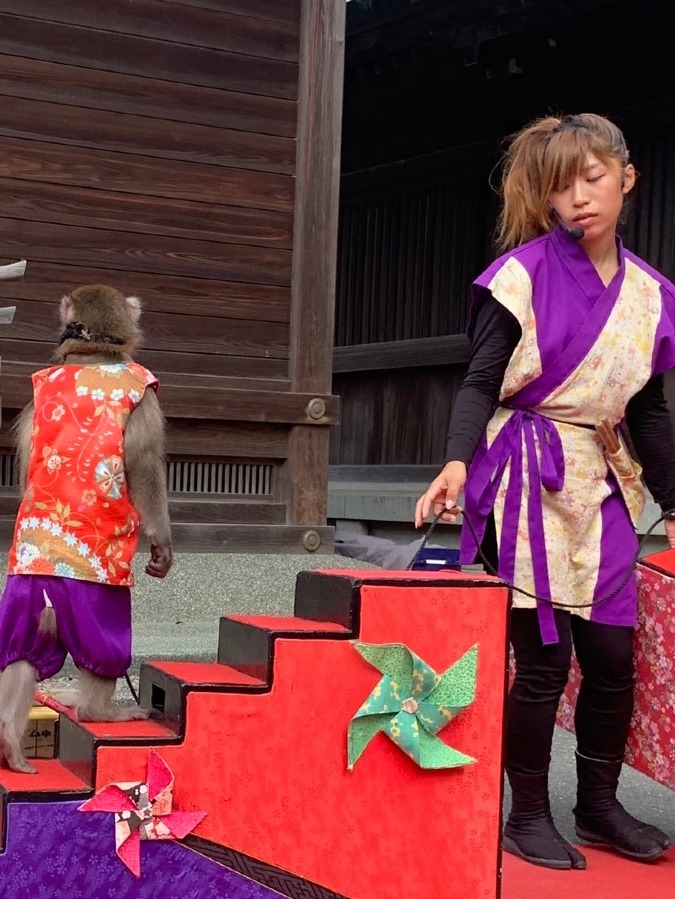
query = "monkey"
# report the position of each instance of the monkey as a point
(92, 472)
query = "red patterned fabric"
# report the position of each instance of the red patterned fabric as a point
(651, 740)
(76, 518)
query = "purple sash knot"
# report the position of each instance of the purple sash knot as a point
(545, 469)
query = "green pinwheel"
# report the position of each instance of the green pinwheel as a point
(411, 704)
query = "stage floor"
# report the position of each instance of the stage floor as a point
(608, 876)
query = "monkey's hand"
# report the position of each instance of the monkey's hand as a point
(161, 560)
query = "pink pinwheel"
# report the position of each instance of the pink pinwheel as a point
(143, 811)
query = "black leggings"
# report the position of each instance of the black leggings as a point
(605, 703)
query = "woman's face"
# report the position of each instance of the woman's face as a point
(593, 199)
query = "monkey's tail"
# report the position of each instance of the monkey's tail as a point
(47, 622)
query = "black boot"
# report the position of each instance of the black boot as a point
(601, 820)
(530, 832)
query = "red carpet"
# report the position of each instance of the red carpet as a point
(608, 876)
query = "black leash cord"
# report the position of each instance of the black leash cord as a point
(545, 599)
(131, 687)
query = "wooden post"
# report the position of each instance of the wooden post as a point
(322, 35)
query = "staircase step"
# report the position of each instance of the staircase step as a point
(53, 782)
(52, 777)
(164, 686)
(327, 594)
(202, 675)
(246, 642)
(321, 597)
(145, 728)
(79, 740)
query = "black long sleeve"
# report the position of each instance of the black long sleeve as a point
(651, 433)
(496, 334)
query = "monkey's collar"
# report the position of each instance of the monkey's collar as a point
(79, 331)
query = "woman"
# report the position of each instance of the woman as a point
(571, 335)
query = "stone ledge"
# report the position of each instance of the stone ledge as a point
(378, 500)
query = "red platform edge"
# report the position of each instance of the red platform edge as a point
(196, 673)
(52, 777)
(288, 624)
(145, 728)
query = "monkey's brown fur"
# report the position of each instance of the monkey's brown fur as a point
(111, 323)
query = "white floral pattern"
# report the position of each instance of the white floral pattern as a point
(512, 287)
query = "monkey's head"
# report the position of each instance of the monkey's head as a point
(99, 320)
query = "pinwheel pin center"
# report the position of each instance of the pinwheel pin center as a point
(410, 705)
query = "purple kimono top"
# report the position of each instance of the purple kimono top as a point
(565, 505)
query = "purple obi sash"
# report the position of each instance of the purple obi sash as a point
(485, 477)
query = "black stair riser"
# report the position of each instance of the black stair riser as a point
(321, 597)
(163, 694)
(167, 695)
(77, 747)
(249, 648)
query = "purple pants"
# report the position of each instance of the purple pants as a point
(93, 624)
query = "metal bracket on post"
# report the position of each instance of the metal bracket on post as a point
(8, 273)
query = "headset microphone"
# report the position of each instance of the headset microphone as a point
(575, 233)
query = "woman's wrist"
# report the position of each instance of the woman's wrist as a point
(455, 465)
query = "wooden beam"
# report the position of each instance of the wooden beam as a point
(322, 35)
(201, 537)
(452, 349)
(249, 405)
(251, 538)
(316, 193)
(218, 404)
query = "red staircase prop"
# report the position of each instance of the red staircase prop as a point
(259, 740)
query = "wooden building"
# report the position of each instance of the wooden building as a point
(431, 89)
(186, 151)
(189, 151)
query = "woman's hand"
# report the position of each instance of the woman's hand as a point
(442, 494)
(669, 525)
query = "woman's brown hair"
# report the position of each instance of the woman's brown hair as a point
(540, 159)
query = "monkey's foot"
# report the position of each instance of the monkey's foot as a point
(21, 765)
(11, 755)
(132, 713)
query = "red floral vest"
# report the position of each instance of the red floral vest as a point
(76, 518)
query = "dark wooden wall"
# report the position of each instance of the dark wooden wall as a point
(187, 151)
(427, 104)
